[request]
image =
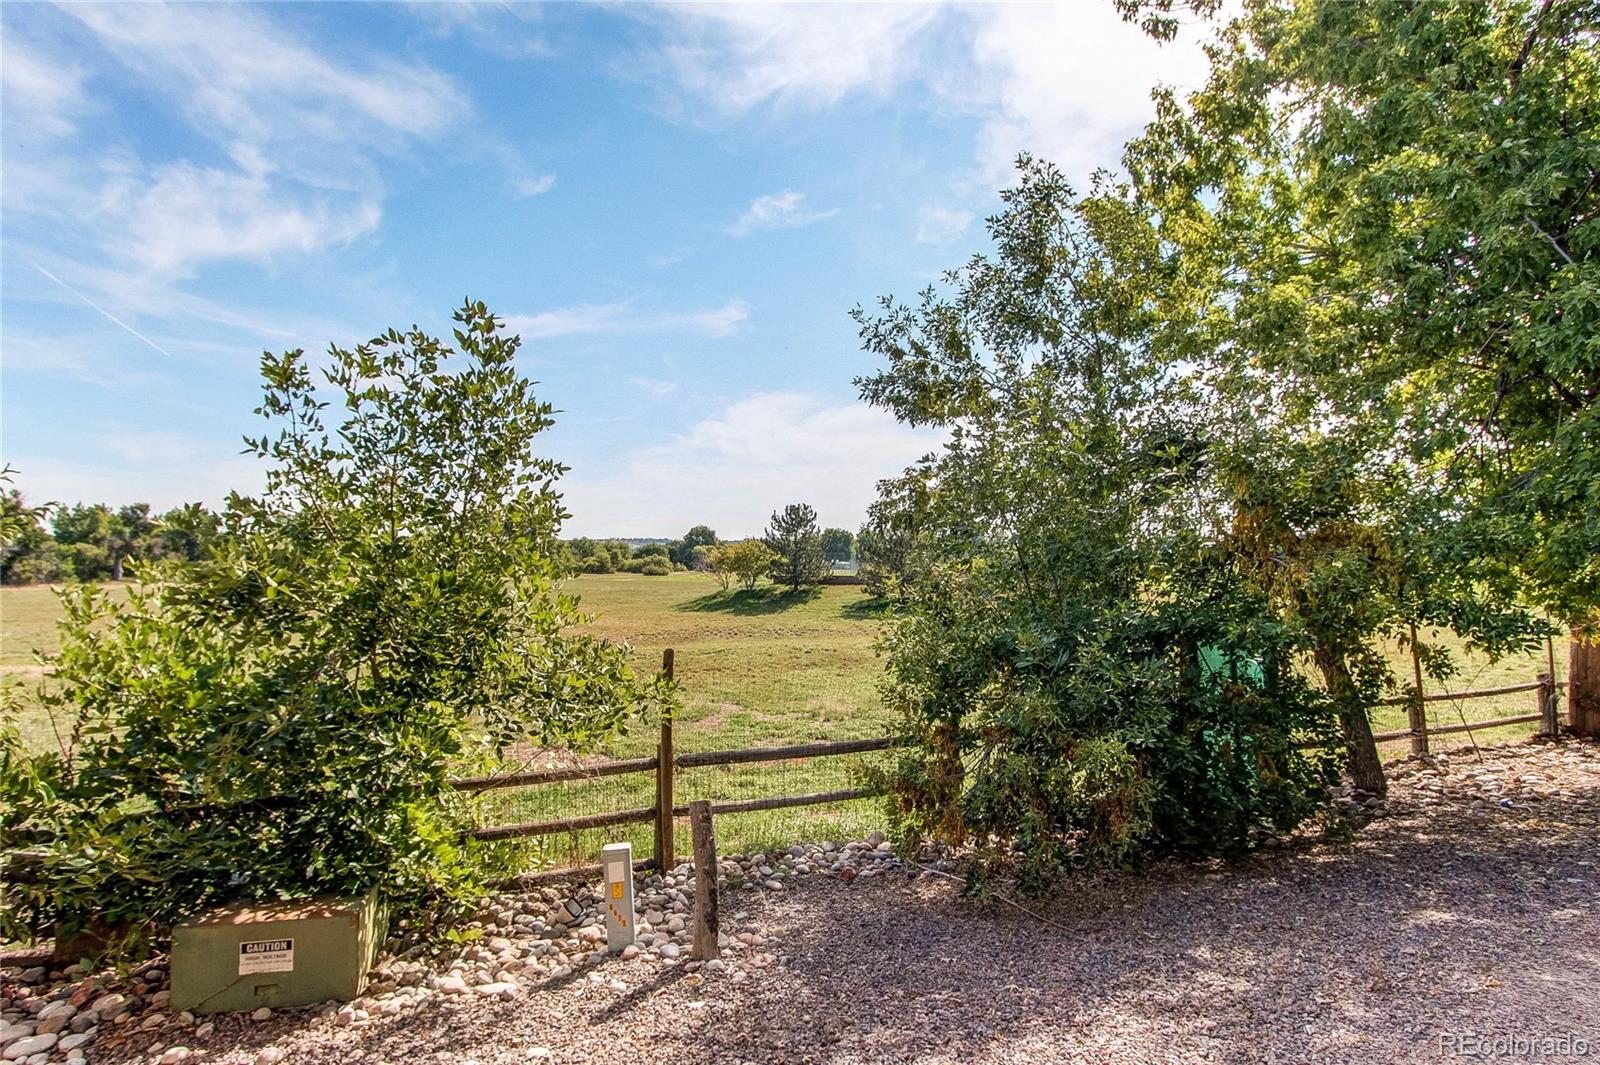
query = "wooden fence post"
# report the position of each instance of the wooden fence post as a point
(1417, 714)
(1547, 705)
(665, 859)
(1583, 682)
(705, 945)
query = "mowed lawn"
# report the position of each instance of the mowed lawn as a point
(756, 669)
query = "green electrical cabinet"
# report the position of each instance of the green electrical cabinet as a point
(253, 954)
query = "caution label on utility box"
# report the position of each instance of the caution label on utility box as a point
(266, 956)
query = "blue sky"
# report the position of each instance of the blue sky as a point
(676, 206)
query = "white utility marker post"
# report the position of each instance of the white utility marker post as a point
(617, 860)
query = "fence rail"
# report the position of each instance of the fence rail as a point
(1481, 693)
(19, 864)
(780, 754)
(664, 813)
(1418, 730)
(666, 763)
(556, 775)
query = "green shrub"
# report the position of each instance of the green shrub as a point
(45, 565)
(282, 718)
(1054, 579)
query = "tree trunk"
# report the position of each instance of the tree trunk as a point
(1366, 769)
(1583, 682)
(116, 567)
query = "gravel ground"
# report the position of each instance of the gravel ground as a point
(1469, 906)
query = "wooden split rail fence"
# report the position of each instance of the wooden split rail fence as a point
(665, 812)
(1418, 730)
(665, 763)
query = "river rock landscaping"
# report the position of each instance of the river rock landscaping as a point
(1467, 904)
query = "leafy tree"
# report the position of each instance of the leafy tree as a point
(131, 533)
(837, 545)
(748, 561)
(885, 543)
(281, 719)
(82, 523)
(1049, 661)
(699, 536)
(796, 545)
(23, 537)
(187, 532)
(653, 551)
(1367, 213)
(713, 561)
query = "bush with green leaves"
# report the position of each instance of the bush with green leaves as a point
(281, 718)
(745, 561)
(1083, 671)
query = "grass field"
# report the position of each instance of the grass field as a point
(756, 669)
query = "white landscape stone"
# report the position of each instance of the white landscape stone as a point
(501, 990)
(28, 1046)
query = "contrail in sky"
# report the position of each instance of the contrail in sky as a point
(101, 309)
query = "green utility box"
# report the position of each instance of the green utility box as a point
(253, 954)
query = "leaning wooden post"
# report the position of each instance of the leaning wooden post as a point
(1415, 710)
(665, 859)
(1547, 705)
(705, 882)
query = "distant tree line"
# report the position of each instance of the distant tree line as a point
(90, 542)
(793, 551)
(95, 542)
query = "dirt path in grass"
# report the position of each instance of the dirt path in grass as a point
(1470, 910)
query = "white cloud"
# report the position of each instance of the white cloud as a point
(1068, 82)
(188, 216)
(526, 187)
(80, 357)
(131, 293)
(780, 210)
(941, 225)
(623, 318)
(671, 258)
(499, 28)
(43, 94)
(731, 470)
(292, 137)
(260, 90)
(738, 56)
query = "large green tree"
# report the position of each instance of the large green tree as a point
(132, 534)
(281, 718)
(1368, 217)
(1080, 667)
(699, 536)
(838, 545)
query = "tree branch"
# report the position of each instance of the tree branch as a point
(1527, 45)
(1554, 243)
